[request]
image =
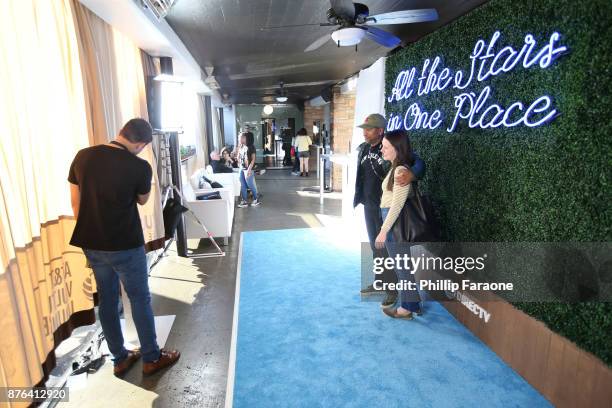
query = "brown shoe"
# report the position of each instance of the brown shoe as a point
(166, 359)
(394, 314)
(120, 369)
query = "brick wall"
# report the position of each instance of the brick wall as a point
(312, 113)
(343, 121)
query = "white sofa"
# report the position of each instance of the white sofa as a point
(216, 215)
(227, 180)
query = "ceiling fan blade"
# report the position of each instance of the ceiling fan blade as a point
(382, 37)
(343, 8)
(318, 43)
(403, 17)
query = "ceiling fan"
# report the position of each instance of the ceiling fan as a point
(356, 23)
(281, 94)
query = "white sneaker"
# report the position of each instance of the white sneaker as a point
(243, 204)
(262, 172)
(255, 202)
(295, 173)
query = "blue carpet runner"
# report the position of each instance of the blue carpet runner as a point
(305, 339)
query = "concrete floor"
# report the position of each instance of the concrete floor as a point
(200, 292)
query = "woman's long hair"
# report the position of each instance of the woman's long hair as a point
(401, 143)
(249, 138)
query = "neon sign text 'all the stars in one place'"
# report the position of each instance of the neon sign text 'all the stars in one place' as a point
(476, 109)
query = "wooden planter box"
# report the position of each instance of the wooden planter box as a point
(565, 374)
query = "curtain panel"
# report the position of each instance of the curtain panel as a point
(45, 288)
(67, 81)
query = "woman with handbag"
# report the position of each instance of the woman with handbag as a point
(396, 149)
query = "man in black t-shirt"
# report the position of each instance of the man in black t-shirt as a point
(106, 183)
(371, 171)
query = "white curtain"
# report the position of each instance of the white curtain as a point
(120, 72)
(47, 87)
(42, 126)
(194, 129)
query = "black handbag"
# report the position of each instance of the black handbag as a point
(416, 222)
(172, 216)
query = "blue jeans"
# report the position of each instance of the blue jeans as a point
(129, 266)
(409, 298)
(247, 182)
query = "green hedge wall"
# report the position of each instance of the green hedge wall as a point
(550, 183)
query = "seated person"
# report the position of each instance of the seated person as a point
(227, 159)
(218, 164)
(225, 163)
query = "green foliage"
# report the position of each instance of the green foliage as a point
(551, 183)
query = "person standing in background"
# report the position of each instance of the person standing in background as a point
(303, 142)
(246, 161)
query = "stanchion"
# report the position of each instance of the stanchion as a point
(321, 177)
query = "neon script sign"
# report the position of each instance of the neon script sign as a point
(476, 109)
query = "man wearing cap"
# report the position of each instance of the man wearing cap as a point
(371, 170)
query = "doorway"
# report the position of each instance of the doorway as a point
(268, 129)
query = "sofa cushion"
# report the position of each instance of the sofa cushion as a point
(188, 192)
(195, 178)
(213, 195)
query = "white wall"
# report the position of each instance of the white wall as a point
(370, 98)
